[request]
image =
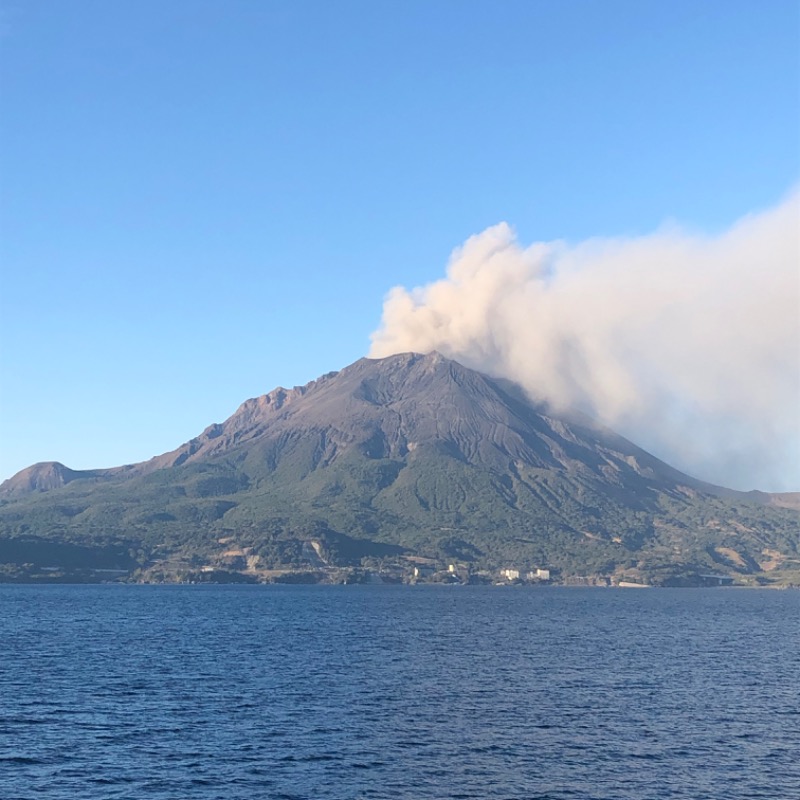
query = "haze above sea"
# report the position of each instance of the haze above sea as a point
(175, 692)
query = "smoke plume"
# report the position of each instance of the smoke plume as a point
(687, 344)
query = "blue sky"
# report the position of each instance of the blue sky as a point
(202, 200)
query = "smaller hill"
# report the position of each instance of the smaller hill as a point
(43, 477)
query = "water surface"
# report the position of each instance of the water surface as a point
(176, 692)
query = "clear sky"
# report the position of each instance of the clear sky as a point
(203, 200)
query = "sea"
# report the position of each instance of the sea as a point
(301, 692)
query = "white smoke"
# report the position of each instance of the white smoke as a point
(687, 344)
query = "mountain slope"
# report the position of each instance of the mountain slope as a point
(412, 452)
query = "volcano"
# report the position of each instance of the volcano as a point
(407, 457)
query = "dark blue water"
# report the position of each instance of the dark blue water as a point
(398, 692)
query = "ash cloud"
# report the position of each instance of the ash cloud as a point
(687, 344)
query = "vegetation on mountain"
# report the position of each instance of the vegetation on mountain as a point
(391, 460)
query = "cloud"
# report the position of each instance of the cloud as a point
(687, 344)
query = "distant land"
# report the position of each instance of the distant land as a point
(402, 469)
